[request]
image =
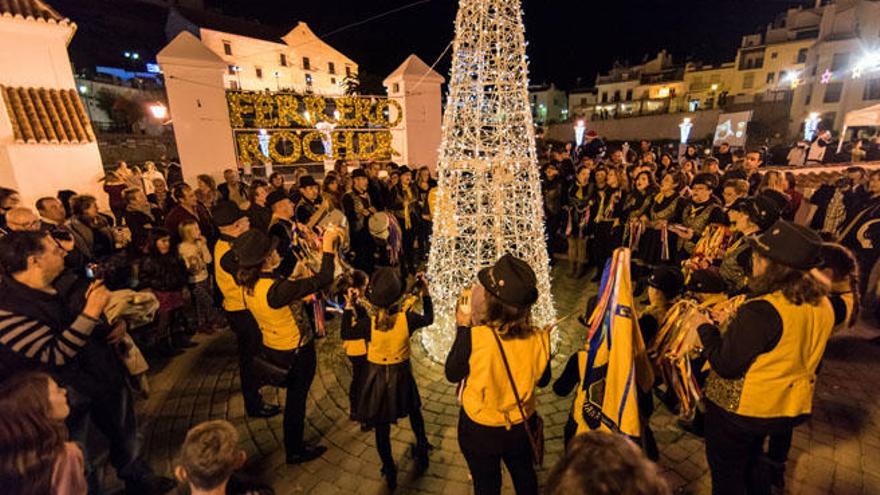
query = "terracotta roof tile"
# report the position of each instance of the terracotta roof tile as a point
(31, 9)
(40, 115)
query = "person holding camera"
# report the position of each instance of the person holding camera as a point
(44, 327)
(288, 334)
(389, 390)
(500, 357)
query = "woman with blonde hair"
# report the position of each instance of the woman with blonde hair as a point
(35, 456)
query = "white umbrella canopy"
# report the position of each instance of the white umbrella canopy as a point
(868, 116)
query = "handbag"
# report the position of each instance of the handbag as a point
(267, 372)
(536, 436)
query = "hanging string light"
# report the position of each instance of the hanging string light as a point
(489, 193)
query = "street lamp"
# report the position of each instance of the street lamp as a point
(811, 125)
(158, 110)
(685, 129)
(579, 132)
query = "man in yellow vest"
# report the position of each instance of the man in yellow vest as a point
(232, 222)
(764, 364)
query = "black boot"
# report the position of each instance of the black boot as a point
(182, 341)
(420, 454)
(389, 472)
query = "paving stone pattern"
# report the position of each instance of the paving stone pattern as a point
(837, 451)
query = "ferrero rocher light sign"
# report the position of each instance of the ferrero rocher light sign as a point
(290, 129)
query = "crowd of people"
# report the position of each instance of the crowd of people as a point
(83, 291)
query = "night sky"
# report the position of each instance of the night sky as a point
(568, 39)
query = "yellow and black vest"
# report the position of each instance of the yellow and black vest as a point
(487, 397)
(780, 383)
(278, 326)
(233, 298)
(580, 395)
(389, 346)
(354, 348)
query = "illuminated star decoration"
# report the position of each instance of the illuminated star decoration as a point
(826, 76)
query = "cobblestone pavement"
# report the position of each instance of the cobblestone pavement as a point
(837, 451)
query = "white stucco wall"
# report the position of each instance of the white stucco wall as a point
(34, 54)
(198, 110)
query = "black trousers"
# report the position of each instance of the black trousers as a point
(247, 333)
(112, 413)
(383, 437)
(734, 450)
(302, 364)
(407, 251)
(358, 370)
(486, 447)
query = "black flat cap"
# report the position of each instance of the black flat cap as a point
(226, 213)
(275, 196)
(253, 247)
(668, 280)
(706, 282)
(706, 179)
(385, 287)
(307, 181)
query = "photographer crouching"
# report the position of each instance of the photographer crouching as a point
(60, 330)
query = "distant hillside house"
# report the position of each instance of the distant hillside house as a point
(260, 57)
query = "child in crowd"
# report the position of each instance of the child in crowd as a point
(389, 391)
(355, 349)
(209, 458)
(35, 456)
(600, 463)
(165, 274)
(193, 250)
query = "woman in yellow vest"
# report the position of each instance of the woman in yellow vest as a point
(493, 327)
(764, 364)
(389, 390)
(277, 305)
(840, 266)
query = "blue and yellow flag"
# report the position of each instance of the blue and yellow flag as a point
(616, 359)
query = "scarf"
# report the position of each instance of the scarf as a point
(835, 213)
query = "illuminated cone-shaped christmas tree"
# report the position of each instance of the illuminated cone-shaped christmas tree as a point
(489, 193)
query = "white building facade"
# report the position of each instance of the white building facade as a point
(259, 58)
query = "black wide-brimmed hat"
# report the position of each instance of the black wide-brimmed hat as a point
(789, 244)
(779, 199)
(706, 179)
(667, 280)
(307, 181)
(385, 287)
(252, 248)
(275, 196)
(762, 211)
(706, 282)
(511, 280)
(226, 213)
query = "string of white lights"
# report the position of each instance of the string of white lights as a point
(489, 193)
